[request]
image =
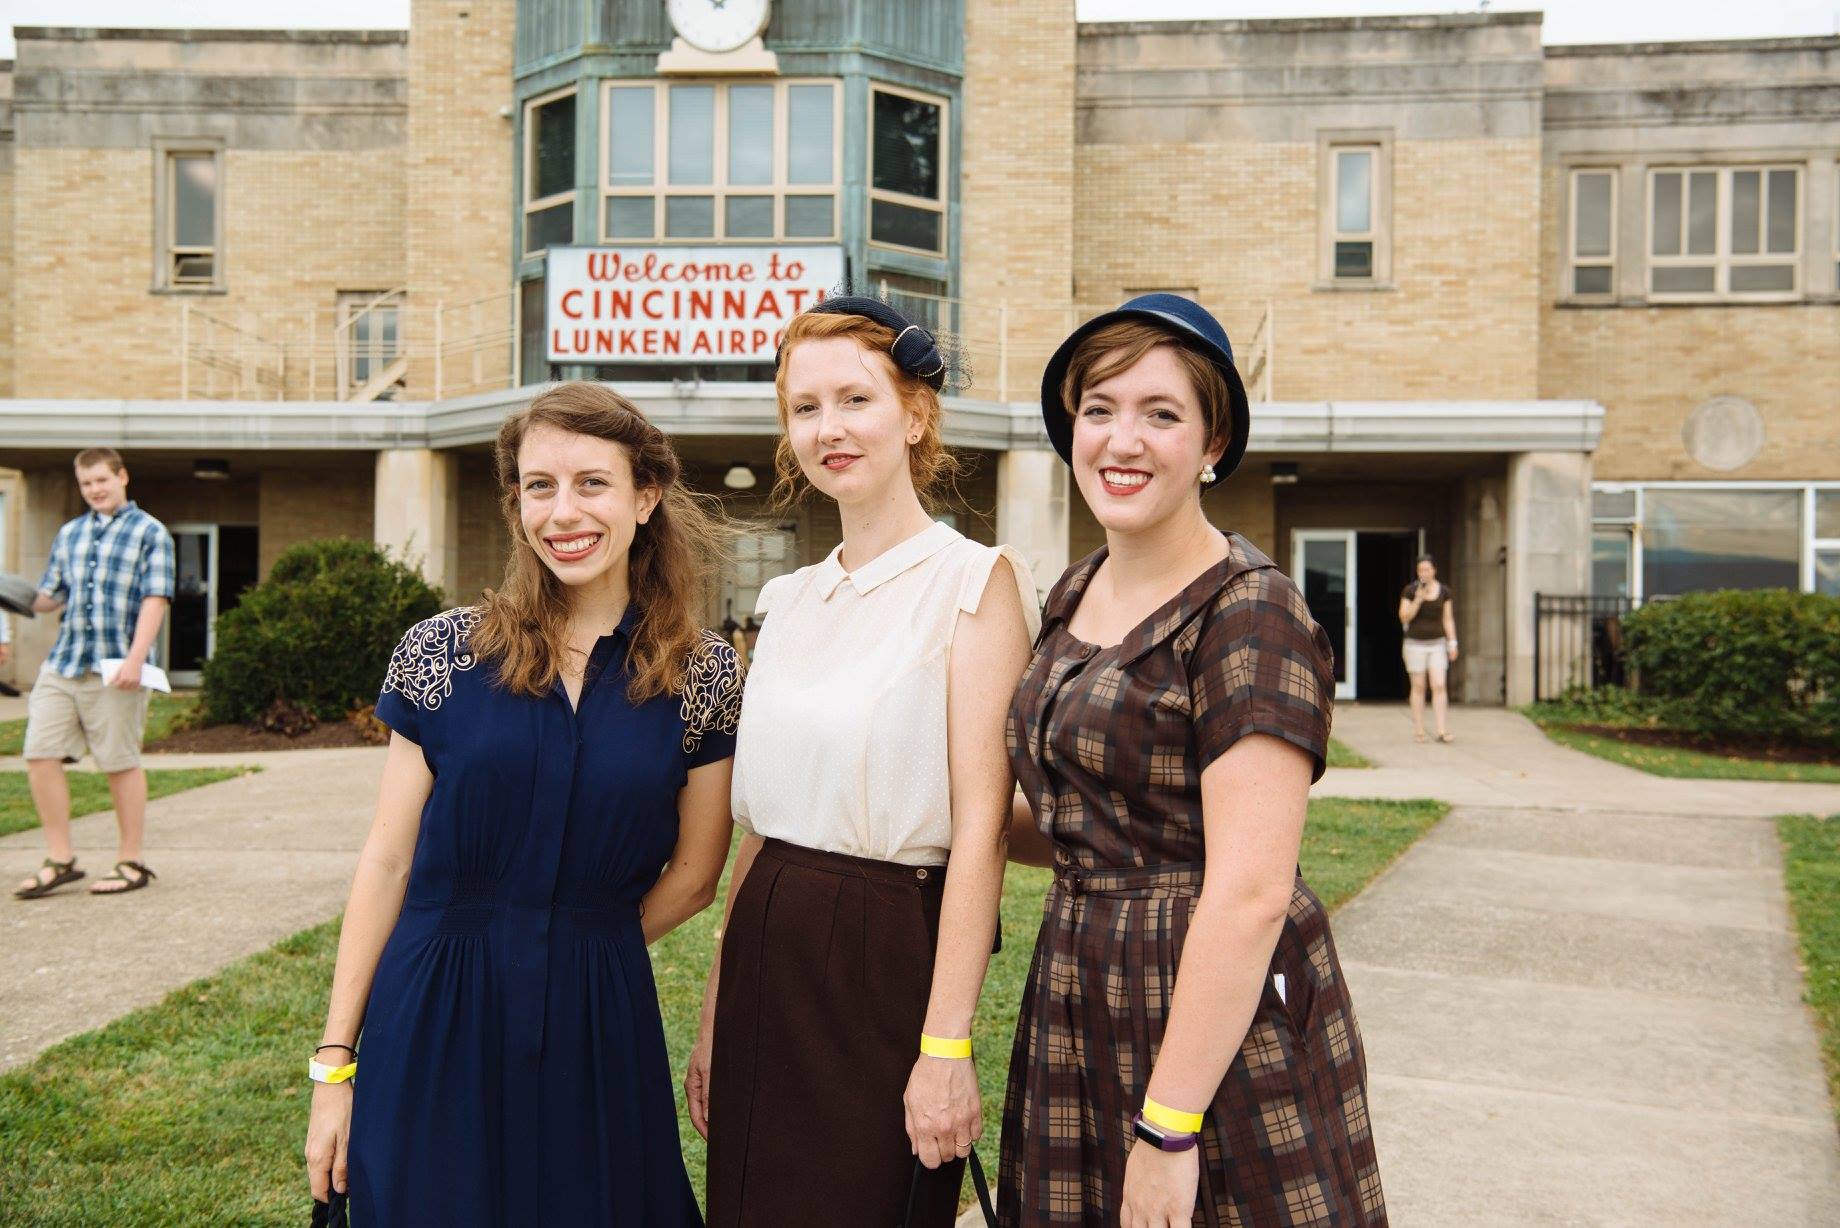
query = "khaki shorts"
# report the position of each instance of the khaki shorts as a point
(65, 717)
(1423, 655)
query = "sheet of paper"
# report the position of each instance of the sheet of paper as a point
(153, 678)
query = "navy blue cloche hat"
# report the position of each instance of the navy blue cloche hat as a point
(1188, 322)
(916, 351)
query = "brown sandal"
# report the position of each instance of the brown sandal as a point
(134, 884)
(62, 872)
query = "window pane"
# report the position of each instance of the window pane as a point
(690, 217)
(1758, 278)
(1610, 554)
(631, 217)
(1827, 572)
(809, 153)
(1613, 505)
(549, 227)
(189, 269)
(1702, 213)
(1591, 279)
(553, 148)
(1827, 513)
(1746, 211)
(809, 217)
(632, 138)
(1694, 280)
(1591, 233)
(747, 217)
(194, 191)
(1694, 540)
(750, 134)
(1782, 211)
(1354, 177)
(1665, 233)
(1354, 259)
(906, 145)
(906, 226)
(693, 134)
(532, 353)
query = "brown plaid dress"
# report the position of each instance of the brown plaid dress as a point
(1110, 744)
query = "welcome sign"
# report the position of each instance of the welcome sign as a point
(680, 304)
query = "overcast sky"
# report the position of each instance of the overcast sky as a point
(1567, 21)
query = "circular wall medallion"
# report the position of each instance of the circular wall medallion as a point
(1725, 433)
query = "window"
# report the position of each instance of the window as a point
(1827, 542)
(1593, 235)
(549, 172)
(1354, 195)
(723, 162)
(370, 338)
(907, 173)
(533, 353)
(1697, 539)
(759, 555)
(1723, 232)
(189, 217)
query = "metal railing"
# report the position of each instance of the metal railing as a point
(1578, 642)
(446, 349)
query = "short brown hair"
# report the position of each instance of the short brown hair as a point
(929, 462)
(98, 456)
(1118, 347)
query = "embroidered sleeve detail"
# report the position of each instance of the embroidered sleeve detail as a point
(423, 666)
(712, 691)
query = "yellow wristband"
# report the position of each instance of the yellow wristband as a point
(319, 1072)
(1171, 1119)
(933, 1046)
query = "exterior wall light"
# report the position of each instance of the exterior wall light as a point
(739, 477)
(1284, 473)
(210, 469)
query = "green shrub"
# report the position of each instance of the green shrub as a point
(1759, 664)
(317, 633)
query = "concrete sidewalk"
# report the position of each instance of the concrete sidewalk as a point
(1584, 1006)
(242, 864)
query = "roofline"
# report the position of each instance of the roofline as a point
(1314, 25)
(1809, 42)
(179, 35)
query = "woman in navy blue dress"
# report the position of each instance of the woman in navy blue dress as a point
(555, 798)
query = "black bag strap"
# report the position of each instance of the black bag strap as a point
(332, 1213)
(978, 1183)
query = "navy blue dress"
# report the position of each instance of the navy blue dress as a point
(514, 1068)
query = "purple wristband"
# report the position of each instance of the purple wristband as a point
(1161, 1139)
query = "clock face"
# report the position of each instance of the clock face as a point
(718, 25)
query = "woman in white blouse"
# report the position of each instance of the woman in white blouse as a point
(833, 1074)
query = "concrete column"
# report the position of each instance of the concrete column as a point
(417, 511)
(1549, 546)
(1032, 512)
(39, 501)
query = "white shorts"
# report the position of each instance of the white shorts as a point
(1423, 655)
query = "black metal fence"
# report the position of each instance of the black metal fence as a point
(1577, 642)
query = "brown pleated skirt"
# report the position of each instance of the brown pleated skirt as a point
(827, 964)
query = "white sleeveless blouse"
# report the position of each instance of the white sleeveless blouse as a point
(842, 745)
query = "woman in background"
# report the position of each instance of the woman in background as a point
(1428, 619)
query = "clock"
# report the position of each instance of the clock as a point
(718, 26)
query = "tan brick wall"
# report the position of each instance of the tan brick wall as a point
(299, 226)
(1017, 183)
(483, 547)
(459, 171)
(299, 505)
(1651, 367)
(1238, 224)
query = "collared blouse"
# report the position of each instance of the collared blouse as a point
(842, 745)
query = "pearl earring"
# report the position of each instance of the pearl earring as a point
(1207, 472)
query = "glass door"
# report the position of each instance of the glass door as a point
(1322, 563)
(194, 607)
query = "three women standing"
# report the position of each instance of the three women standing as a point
(833, 1075)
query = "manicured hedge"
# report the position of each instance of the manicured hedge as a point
(316, 634)
(1760, 664)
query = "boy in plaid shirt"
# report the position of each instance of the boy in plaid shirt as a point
(111, 571)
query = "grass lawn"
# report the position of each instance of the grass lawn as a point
(1811, 862)
(89, 793)
(162, 713)
(1341, 755)
(194, 1111)
(1680, 761)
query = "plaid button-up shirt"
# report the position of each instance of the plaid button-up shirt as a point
(103, 568)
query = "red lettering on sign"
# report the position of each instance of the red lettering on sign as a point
(702, 304)
(701, 344)
(767, 306)
(571, 304)
(734, 303)
(735, 340)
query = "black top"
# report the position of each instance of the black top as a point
(1428, 623)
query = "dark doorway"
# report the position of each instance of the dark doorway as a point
(1383, 566)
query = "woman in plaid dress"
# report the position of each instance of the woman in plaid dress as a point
(1187, 1052)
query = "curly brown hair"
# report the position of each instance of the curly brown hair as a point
(931, 464)
(1116, 348)
(674, 557)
